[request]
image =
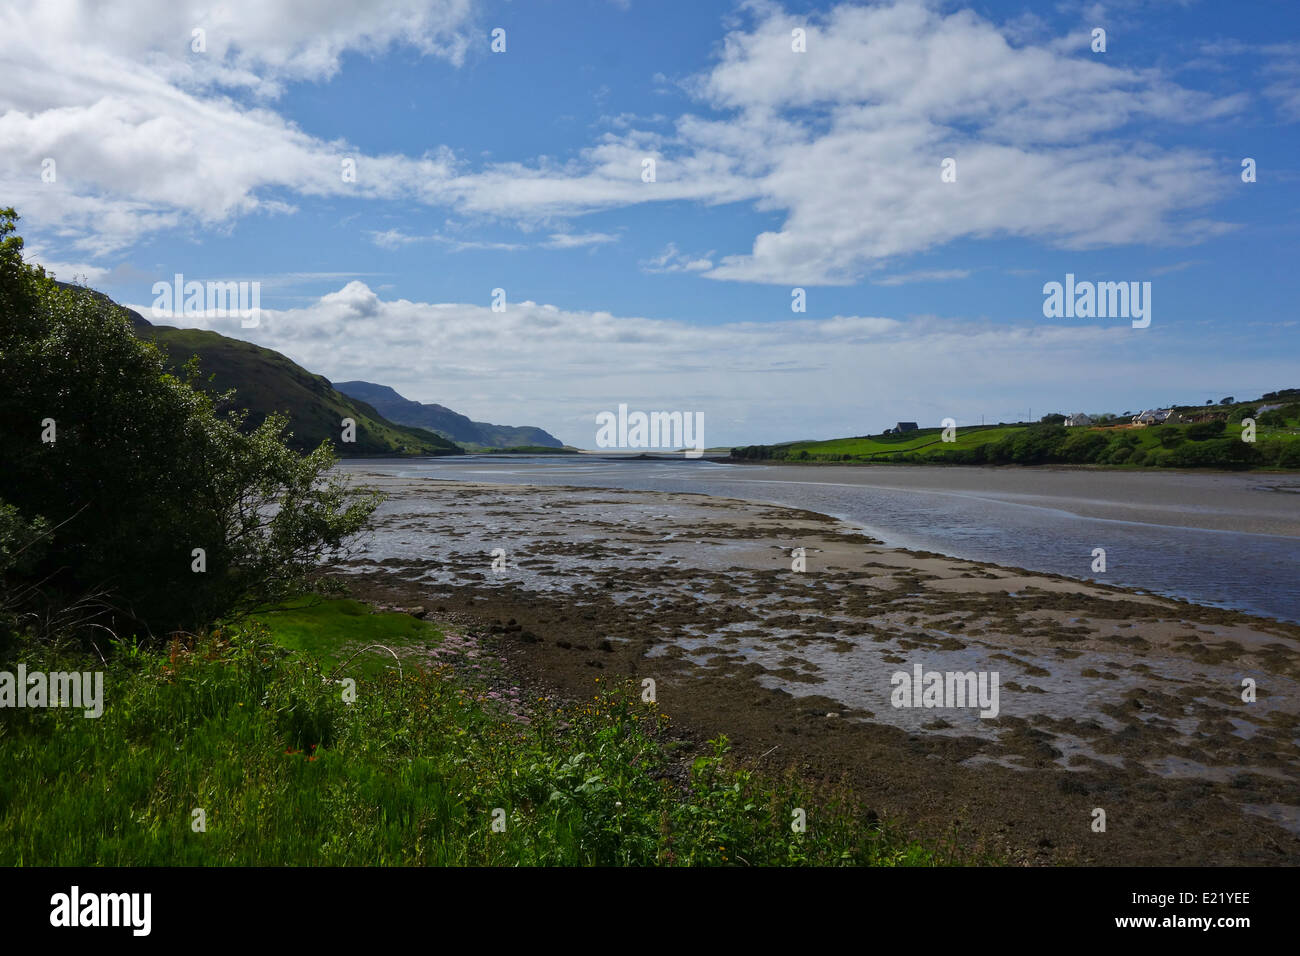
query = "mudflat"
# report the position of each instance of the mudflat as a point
(1180, 722)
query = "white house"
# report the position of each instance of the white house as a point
(1077, 419)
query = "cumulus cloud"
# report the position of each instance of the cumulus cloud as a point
(843, 141)
(147, 134)
(796, 377)
(884, 94)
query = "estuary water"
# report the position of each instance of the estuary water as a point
(1227, 540)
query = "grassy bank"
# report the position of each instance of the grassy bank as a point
(1205, 445)
(429, 768)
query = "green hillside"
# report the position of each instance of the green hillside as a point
(926, 441)
(1202, 437)
(265, 382)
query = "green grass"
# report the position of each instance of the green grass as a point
(922, 442)
(333, 630)
(1276, 446)
(415, 771)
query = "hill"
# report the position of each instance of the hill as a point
(266, 381)
(1197, 437)
(445, 422)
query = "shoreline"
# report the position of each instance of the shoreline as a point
(1110, 697)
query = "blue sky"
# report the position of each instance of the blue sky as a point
(775, 169)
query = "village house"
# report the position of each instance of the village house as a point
(1077, 420)
(1153, 416)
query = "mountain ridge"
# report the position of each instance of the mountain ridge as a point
(444, 421)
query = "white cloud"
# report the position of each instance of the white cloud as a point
(847, 375)
(932, 275)
(396, 238)
(568, 240)
(673, 260)
(143, 131)
(1275, 64)
(1177, 266)
(844, 141)
(855, 129)
(65, 271)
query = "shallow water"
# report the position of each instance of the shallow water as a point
(1229, 540)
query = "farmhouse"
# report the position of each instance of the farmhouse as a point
(905, 427)
(1153, 416)
(1077, 420)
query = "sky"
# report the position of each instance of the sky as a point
(379, 170)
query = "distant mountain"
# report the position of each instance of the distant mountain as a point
(265, 381)
(449, 424)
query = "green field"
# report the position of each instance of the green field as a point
(923, 442)
(327, 630)
(248, 725)
(1212, 444)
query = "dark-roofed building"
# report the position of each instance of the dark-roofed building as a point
(905, 427)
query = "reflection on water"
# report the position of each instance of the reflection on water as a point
(1178, 542)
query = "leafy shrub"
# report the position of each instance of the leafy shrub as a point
(1289, 455)
(1205, 430)
(1215, 453)
(1033, 446)
(1084, 447)
(1278, 417)
(143, 470)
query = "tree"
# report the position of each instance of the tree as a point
(1227, 401)
(1205, 430)
(155, 499)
